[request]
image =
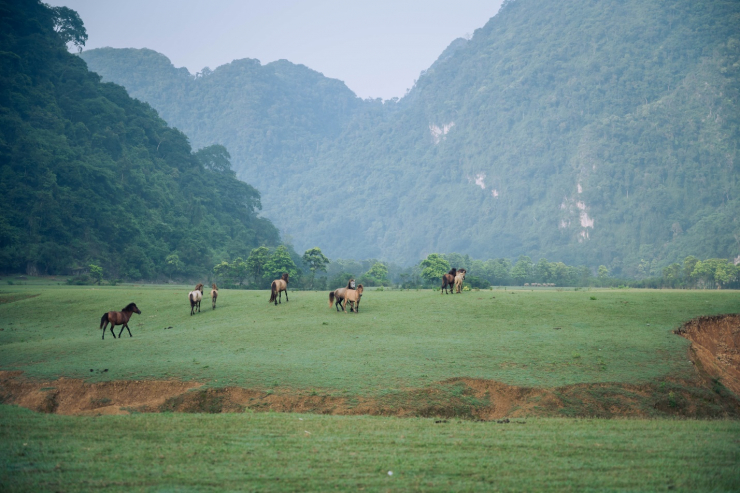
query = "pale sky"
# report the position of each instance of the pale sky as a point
(377, 48)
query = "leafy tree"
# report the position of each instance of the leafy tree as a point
(603, 273)
(316, 261)
(173, 264)
(96, 272)
(215, 158)
(433, 268)
(69, 26)
(224, 272)
(239, 270)
(522, 270)
(256, 262)
(279, 263)
(378, 271)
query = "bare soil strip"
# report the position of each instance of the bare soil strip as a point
(712, 394)
(715, 347)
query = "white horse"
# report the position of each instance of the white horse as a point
(459, 278)
(195, 298)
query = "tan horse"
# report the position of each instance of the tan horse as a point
(337, 296)
(277, 287)
(214, 295)
(353, 297)
(448, 280)
(459, 278)
(119, 318)
(195, 298)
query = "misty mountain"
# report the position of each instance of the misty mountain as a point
(591, 131)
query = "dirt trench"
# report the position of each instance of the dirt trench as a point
(715, 348)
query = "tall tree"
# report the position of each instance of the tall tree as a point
(316, 261)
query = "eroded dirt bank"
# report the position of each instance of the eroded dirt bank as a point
(715, 347)
(456, 398)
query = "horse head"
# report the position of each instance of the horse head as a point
(453, 272)
(131, 307)
(284, 277)
(351, 284)
(213, 286)
(359, 290)
(199, 287)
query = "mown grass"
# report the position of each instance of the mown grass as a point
(289, 452)
(399, 340)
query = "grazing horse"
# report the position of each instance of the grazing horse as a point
(195, 298)
(118, 318)
(337, 296)
(214, 295)
(277, 287)
(459, 278)
(448, 280)
(353, 297)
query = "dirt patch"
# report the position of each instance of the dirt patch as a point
(11, 298)
(461, 398)
(715, 348)
(71, 396)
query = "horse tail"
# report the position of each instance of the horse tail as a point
(192, 300)
(273, 292)
(331, 299)
(103, 319)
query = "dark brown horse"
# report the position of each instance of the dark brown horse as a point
(118, 318)
(448, 280)
(277, 287)
(337, 296)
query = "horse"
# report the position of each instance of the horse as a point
(277, 287)
(337, 296)
(118, 318)
(459, 278)
(214, 295)
(352, 296)
(195, 298)
(448, 280)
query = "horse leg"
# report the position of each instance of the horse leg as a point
(111, 331)
(125, 326)
(286, 295)
(280, 295)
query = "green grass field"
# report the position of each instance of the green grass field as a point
(292, 452)
(399, 341)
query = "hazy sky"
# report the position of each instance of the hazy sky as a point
(377, 48)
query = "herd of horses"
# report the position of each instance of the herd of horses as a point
(339, 297)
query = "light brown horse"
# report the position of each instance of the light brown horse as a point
(459, 278)
(277, 287)
(353, 297)
(448, 280)
(195, 298)
(118, 318)
(214, 295)
(337, 296)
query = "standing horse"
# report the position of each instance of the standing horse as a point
(448, 280)
(459, 278)
(337, 296)
(195, 298)
(214, 295)
(353, 297)
(119, 318)
(277, 287)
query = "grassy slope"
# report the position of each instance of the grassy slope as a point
(251, 451)
(399, 340)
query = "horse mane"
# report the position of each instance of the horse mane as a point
(199, 287)
(130, 306)
(214, 286)
(453, 272)
(349, 284)
(284, 277)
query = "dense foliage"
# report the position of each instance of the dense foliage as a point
(89, 175)
(591, 132)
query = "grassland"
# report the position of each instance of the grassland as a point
(620, 340)
(399, 340)
(291, 452)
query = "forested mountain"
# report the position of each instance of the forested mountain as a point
(90, 175)
(588, 131)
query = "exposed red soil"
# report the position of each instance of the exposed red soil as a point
(715, 347)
